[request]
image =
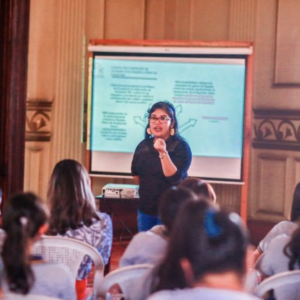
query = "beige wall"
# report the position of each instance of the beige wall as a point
(61, 29)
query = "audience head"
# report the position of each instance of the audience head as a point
(24, 220)
(71, 200)
(295, 212)
(200, 187)
(204, 241)
(170, 202)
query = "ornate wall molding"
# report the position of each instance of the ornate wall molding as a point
(38, 117)
(276, 129)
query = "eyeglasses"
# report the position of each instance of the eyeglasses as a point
(161, 119)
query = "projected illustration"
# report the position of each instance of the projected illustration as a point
(207, 92)
(208, 99)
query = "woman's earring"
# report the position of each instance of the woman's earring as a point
(172, 131)
(149, 131)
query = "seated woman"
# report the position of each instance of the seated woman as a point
(149, 246)
(206, 258)
(24, 221)
(200, 187)
(283, 254)
(74, 215)
(283, 227)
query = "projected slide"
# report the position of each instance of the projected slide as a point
(208, 97)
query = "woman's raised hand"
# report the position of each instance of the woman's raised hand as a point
(160, 145)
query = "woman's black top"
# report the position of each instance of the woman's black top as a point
(147, 165)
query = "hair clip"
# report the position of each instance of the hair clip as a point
(23, 221)
(235, 218)
(211, 227)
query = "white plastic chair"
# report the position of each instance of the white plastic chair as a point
(259, 261)
(124, 277)
(288, 280)
(71, 253)
(253, 278)
(12, 296)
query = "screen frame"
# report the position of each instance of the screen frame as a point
(216, 45)
(165, 52)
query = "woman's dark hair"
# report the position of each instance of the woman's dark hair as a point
(200, 187)
(72, 203)
(292, 249)
(170, 202)
(22, 219)
(295, 212)
(169, 108)
(212, 241)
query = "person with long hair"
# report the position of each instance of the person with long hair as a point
(286, 227)
(24, 221)
(200, 187)
(206, 257)
(160, 161)
(73, 214)
(283, 254)
(150, 246)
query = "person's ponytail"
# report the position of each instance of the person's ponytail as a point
(22, 219)
(18, 271)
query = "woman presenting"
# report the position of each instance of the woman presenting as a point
(161, 160)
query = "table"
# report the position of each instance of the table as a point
(123, 212)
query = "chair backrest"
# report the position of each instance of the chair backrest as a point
(71, 253)
(124, 277)
(289, 279)
(253, 278)
(12, 296)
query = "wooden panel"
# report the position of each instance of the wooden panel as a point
(155, 19)
(242, 20)
(42, 39)
(170, 17)
(68, 102)
(297, 170)
(271, 185)
(94, 20)
(210, 20)
(228, 196)
(183, 19)
(124, 19)
(37, 171)
(281, 169)
(287, 71)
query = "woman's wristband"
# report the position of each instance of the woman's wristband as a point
(162, 155)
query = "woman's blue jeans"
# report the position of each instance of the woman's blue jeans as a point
(146, 222)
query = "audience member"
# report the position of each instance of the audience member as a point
(283, 254)
(200, 187)
(283, 227)
(150, 246)
(24, 221)
(74, 215)
(206, 257)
